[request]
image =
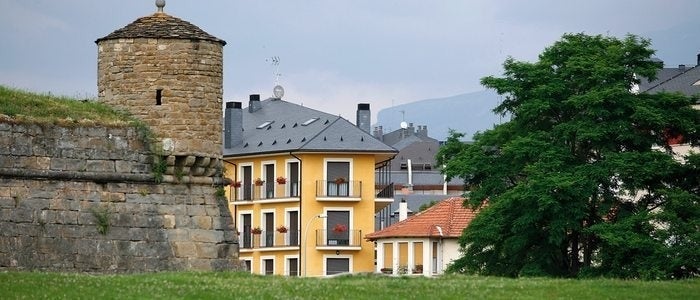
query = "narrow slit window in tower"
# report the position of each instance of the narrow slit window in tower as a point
(159, 96)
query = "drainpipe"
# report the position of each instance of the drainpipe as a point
(410, 174)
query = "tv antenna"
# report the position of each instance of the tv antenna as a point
(278, 90)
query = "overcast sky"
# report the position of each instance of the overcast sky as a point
(335, 54)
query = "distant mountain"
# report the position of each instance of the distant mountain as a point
(465, 113)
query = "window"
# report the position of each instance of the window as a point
(338, 178)
(293, 266)
(159, 96)
(268, 266)
(264, 124)
(268, 234)
(293, 176)
(309, 121)
(246, 226)
(248, 265)
(337, 265)
(247, 182)
(338, 227)
(293, 228)
(269, 177)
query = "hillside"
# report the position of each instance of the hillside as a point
(466, 113)
(23, 106)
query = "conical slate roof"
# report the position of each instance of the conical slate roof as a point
(161, 26)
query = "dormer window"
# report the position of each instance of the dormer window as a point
(265, 124)
(309, 121)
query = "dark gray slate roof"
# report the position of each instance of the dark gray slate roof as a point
(287, 132)
(687, 83)
(161, 25)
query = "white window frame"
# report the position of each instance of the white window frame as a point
(262, 264)
(286, 265)
(287, 174)
(351, 226)
(250, 259)
(263, 242)
(350, 170)
(240, 177)
(263, 176)
(287, 223)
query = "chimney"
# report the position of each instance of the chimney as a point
(698, 61)
(233, 124)
(403, 210)
(254, 103)
(410, 130)
(423, 130)
(681, 67)
(379, 133)
(363, 117)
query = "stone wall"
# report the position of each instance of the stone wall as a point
(85, 199)
(189, 75)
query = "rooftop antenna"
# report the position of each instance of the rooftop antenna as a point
(404, 125)
(278, 90)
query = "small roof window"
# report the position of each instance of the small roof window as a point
(309, 121)
(264, 124)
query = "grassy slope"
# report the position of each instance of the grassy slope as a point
(228, 285)
(24, 106)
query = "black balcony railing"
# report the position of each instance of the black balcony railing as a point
(347, 238)
(268, 190)
(268, 238)
(386, 191)
(326, 188)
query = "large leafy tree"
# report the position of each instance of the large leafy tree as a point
(581, 180)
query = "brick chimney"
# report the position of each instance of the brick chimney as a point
(254, 103)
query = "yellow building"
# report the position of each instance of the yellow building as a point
(305, 187)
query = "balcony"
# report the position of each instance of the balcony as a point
(266, 191)
(347, 240)
(268, 239)
(338, 191)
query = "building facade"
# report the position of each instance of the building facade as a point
(304, 192)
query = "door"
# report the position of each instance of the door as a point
(293, 266)
(337, 179)
(338, 228)
(269, 170)
(247, 236)
(293, 168)
(293, 233)
(269, 233)
(247, 183)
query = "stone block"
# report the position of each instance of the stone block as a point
(67, 164)
(206, 236)
(202, 222)
(35, 204)
(169, 221)
(184, 249)
(183, 221)
(99, 166)
(207, 250)
(196, 210)
(178, 235)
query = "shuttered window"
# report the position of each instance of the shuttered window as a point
(337, 265)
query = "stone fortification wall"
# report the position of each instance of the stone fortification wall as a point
(187, 75)
(85, 199)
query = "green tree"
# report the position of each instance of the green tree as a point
(581, 180)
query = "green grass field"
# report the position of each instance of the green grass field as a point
(31, 107)
(231, 285)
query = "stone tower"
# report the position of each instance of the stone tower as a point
(168, 72)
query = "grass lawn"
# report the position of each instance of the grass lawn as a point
(26, 106)
(232, 285)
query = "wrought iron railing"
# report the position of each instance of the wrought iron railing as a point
(268, 190)
(331, 238)
(326, 188)
(268, 238)
(386, 191)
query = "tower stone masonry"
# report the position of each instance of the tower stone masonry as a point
(168, 73)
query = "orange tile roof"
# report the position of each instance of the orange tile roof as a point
(450, 215)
